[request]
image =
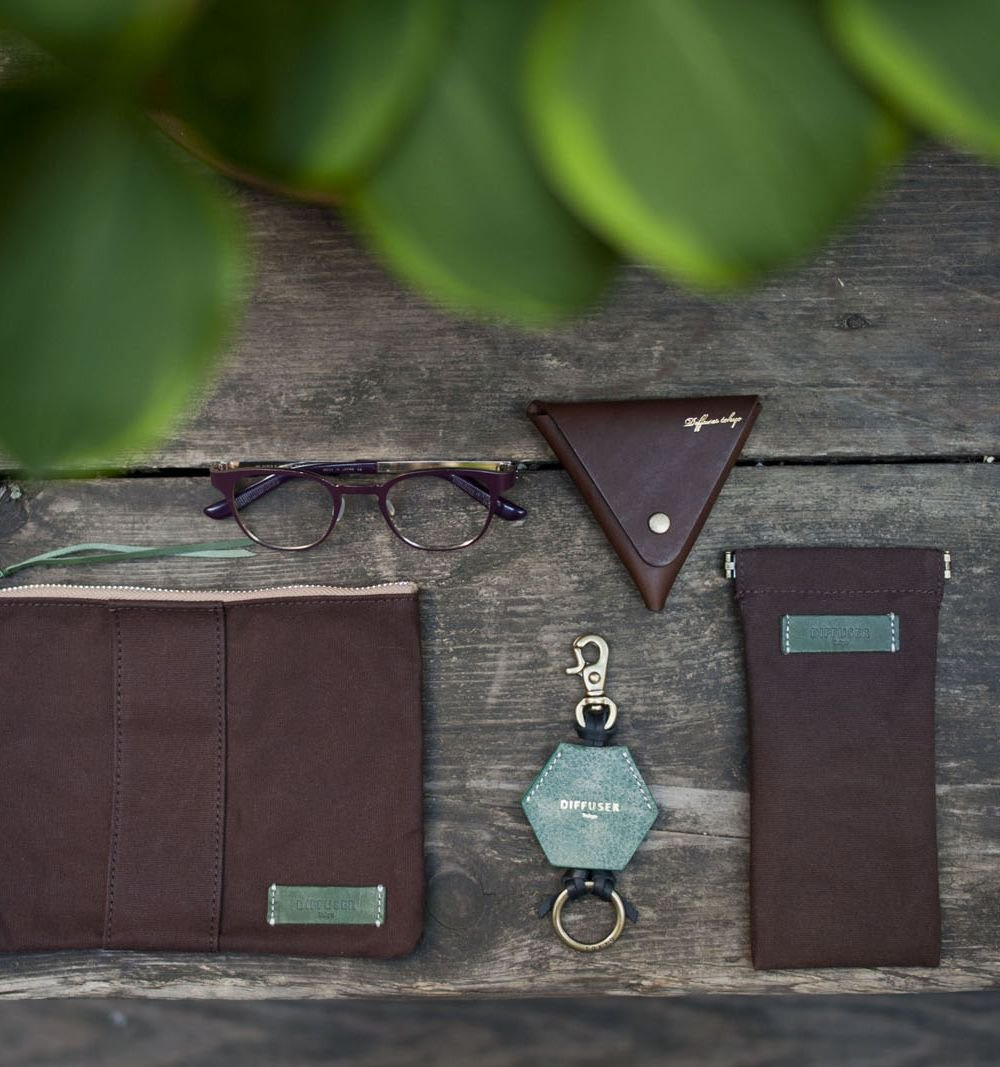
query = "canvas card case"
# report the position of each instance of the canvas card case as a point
(211, 772)
(841, 646)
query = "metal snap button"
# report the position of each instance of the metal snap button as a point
(659, 522)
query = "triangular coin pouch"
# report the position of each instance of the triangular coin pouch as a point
(650, 471)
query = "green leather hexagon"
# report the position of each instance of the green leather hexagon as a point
(589, 807)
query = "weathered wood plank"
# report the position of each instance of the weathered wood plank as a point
(884, 343)
(719, 1031)
(498, 620)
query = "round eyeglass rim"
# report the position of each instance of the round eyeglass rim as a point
(381, 491)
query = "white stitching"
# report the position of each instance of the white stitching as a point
(543, 775)
(272, 901)
(634, 771)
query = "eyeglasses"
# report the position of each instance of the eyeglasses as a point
(433, 505)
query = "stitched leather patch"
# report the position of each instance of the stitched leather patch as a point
(328, 905)
(840, 633)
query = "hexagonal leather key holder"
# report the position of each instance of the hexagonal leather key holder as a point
(589, 807)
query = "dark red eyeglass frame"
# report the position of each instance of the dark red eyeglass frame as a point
(483, 480)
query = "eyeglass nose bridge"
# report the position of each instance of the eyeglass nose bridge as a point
(381, 493)
(341, 493)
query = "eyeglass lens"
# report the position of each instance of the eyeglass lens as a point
(427, 510)
(432, 511)
(297, 513)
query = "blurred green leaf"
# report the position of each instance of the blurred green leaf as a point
(461, 208)
(304, 94)
(714, 138)
(109, 38)
(120, 274)
(23, 63)
(938, 61)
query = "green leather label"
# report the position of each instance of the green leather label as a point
(840, 633)
(328, 905)
(589, 807)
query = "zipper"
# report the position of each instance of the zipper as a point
(145, 592)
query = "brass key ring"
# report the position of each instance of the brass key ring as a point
(583, 946)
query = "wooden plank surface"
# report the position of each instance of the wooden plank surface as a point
(944, 1030)
(882, 346)
(498, 620)
(884, 343)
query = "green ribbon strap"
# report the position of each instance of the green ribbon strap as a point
(98, 552)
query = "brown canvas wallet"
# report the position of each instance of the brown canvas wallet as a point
(211, 772)
(840, 657)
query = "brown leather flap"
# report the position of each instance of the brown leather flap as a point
(652, 458)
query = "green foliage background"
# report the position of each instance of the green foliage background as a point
(499, 155)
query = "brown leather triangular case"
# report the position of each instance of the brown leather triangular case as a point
(643, 465)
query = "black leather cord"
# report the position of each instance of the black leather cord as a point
(594, 733)
(575, 883)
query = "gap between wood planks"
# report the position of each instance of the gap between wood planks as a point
(535, 465)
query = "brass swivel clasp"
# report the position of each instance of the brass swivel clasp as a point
(594, 674)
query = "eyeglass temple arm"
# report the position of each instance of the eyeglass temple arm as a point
(220, 509)
(502, 507)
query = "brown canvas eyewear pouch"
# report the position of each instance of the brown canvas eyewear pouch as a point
(650, 471)
(840, 657)
(211, 772)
